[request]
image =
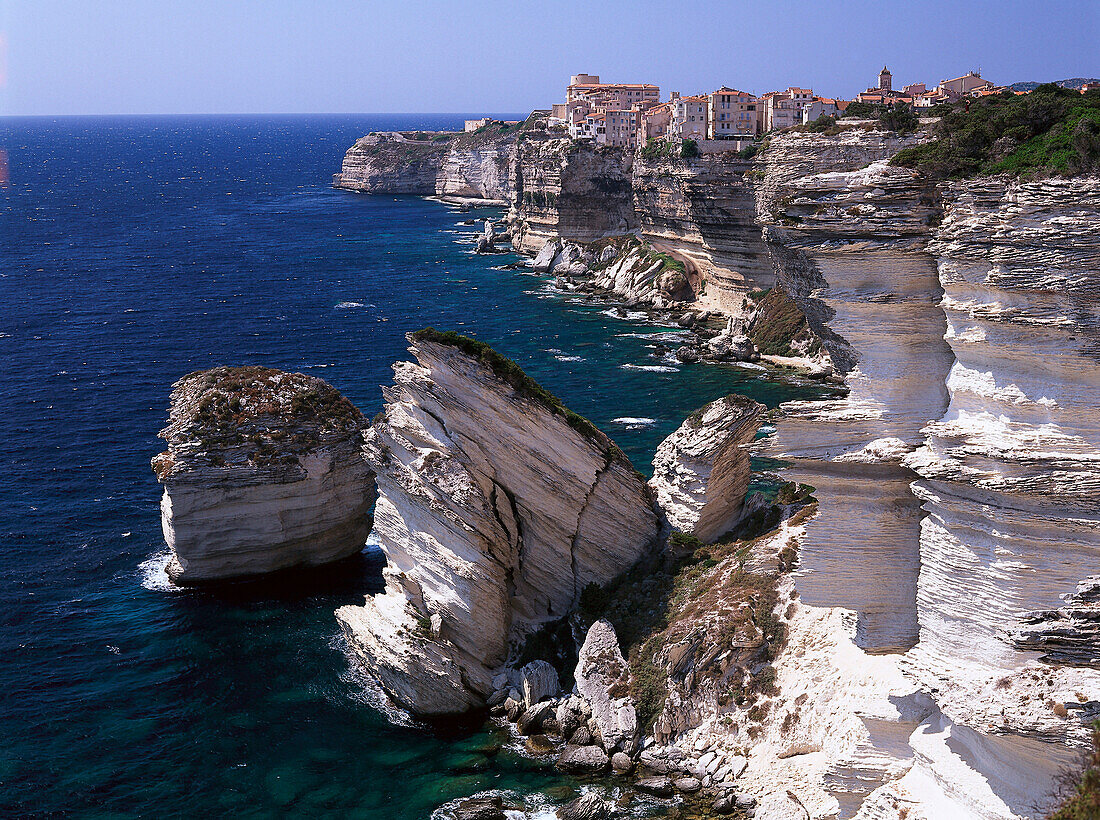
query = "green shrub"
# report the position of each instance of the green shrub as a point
(821, 124)
(1051, 131)
(684, 543)
(689, 148)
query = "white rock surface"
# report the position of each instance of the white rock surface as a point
(603, 679)
(262, 473)
(701, 471)
(494, 512)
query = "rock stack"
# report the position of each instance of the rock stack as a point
(701, 471)
(496, 507)
(262, 473)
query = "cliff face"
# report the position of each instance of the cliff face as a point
(571, 191)
(939, 659)
(704, 209)
(475, 166)
(960, 470)
(495, 509)
(262, 473)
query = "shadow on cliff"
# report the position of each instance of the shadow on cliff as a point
(344, 581)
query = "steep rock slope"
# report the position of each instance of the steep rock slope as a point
(848, 247)
(478, 166)
(570, 191)
(703, 209)
(969, 351)
(701, 471)
(262, 472)
(496, 508)
(1010, 474)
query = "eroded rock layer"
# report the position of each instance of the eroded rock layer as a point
(262, 472)
(496, 508)
(701, 471)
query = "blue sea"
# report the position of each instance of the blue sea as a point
(134, 250)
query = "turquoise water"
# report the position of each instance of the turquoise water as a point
(132, 251)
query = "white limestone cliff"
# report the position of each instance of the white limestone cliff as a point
(701, 471)
(496, 508)
(262, 473)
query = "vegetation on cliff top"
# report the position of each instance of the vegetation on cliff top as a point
(898, 117)
(511, 373)
(1052, 131)
(655, 148)
(252, 416)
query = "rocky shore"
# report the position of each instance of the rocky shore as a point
(938, 655)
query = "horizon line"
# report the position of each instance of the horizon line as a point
(273, 114)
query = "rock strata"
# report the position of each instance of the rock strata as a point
(262, 473)
(496, 507)
(701, 471)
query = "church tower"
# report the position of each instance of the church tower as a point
(884, 77)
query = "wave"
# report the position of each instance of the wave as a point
(628, 315)
(562, 356)
(651, 368)
(349, 305)
(634, 422)
(363, 688)
(154, 573)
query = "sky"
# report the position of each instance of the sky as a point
(494, 56)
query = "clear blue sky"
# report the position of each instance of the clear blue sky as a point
(282, 56)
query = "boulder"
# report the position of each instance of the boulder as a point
(479, 808)
(654, 761)
(701, 471)
(530, 722)
(581, 736)
(603, 678)
(690, 785)
(571, 713)
(608, 254)
(780, 805)
(621, 763)
(723, 804)
(545, 257)
(589, 806)
(539, 681)
(262, 473)
(538, 745)
(583, 760)
(657, 786)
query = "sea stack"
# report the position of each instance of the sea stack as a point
(263, 472)
(496, 507)
(701, 471)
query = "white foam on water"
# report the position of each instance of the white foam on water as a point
(650, 368)
(562, 356)
(154, 573)
(349, 305)
(631, 421)
(363, 688)
(749, 366)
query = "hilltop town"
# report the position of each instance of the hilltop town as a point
(630, 115)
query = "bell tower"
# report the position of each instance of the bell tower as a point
(884, 78)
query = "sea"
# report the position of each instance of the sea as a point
(134, 250)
